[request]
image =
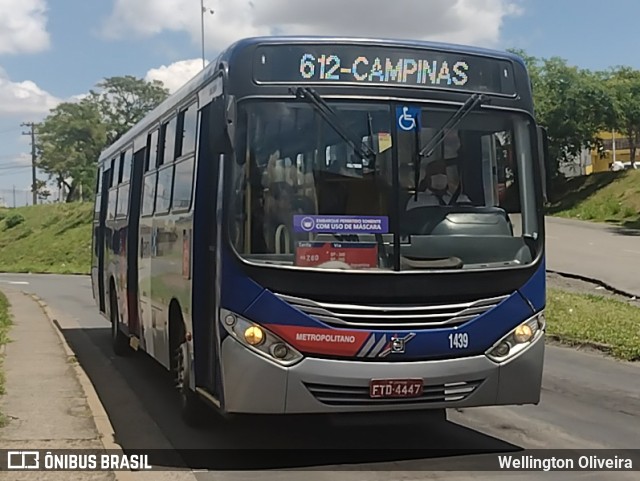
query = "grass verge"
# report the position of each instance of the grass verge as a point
(49, 238)
(605, 324)
(5, 323)
(612, 197)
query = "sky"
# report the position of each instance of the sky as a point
(53, 51)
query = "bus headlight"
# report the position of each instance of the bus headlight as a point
(518, 339)
(259, 340)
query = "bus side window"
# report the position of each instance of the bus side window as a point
(186, 135)
(149, 193)
(152, 151)
(167, 147)
(113, 188)
(163, 189)
(183, 184)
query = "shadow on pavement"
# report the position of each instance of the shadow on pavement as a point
(631, 228)
(142, 406)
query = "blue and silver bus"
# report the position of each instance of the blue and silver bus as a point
(332, 225)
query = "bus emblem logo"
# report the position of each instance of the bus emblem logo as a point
(397, 345)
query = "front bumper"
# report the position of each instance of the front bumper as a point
(254, 385)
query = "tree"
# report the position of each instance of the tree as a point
(42, 190)
(573, 104)
(69, 142)
(625, 85)
(74, 134)
(124, 101)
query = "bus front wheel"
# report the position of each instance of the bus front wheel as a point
(190, 403)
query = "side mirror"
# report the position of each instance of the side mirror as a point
(543, 159)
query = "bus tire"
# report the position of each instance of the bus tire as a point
(191, 406)
(119, 342)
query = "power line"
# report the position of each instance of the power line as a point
(4, 168)
(9, 130)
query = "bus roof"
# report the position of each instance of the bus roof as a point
(389, 42)
(191, 87)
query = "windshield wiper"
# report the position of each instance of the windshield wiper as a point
(427, 151)
(331, 117)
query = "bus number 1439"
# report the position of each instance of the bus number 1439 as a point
(459, 340)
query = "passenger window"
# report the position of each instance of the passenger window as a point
(169, 139)
(149, 193)
(115, 179)
(163, 191)
(152, 148)
(183, 184)
(111, 209)
(123, 200)
(189, 126)
(126, 167)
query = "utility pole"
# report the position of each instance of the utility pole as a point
(202, 11)
(32, 133)
(14, 196)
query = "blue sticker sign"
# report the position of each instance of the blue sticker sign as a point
(341, 224)
(408, 118)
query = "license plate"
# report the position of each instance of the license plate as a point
(395, 388)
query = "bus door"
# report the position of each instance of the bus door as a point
(100, 236)
(132, 242)
(205, 246)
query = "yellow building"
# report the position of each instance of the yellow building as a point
(601, 162)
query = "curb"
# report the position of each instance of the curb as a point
(98, 413)
(598, 282)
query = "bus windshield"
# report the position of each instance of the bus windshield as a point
(302, 196)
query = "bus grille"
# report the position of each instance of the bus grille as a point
(334, 395)
(399, 317)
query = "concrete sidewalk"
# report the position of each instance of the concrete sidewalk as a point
(44, 402)
(49, 401)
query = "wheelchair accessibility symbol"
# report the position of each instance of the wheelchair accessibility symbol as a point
(408, 118)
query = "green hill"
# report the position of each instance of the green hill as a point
(49, 238)
(612, 197)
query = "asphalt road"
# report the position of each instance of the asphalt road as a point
(588, 401)
(603, 252)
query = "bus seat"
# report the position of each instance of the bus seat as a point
(282, 233)
(456, 220)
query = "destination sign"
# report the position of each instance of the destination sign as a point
(372, 65)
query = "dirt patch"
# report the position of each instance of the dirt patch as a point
(579, 286)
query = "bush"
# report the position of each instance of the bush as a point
(13, 220)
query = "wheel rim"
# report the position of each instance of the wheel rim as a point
(181, 367)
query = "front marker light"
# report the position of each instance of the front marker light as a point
(517, 340)
(259, 340)
(279, 350)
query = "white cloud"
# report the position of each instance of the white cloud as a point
(23, 98)
(231, 20)
(23, 26)
(458, 21)
(175, 75)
